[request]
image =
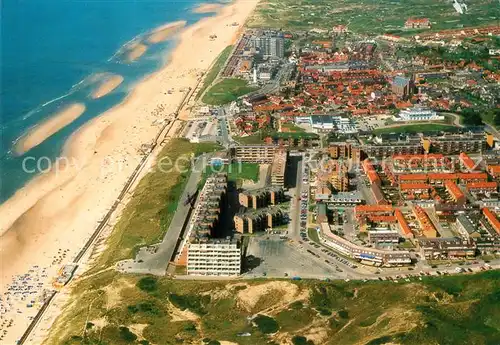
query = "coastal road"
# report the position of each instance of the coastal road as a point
(156, 260)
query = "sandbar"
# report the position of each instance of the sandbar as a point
(136, 52)
(41, 132)
(108, 85)
(207, 8)
(166, 31)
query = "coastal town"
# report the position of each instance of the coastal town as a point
(323, 154)
(386, 159)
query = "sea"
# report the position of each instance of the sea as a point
(55, 52)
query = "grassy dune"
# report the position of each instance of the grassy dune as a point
(371, 17)
(215, 70)
(226, 91)
(148, 214)
(118, 309)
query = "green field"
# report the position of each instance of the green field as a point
(237, 171)
(214, 71)
(226, 91)
(292, 127)
(149, 212)
(415, 128)
(369, 16)
(111, 308)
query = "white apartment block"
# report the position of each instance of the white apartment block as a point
(214, 258)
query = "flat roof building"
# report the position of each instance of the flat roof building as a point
(367, 255)
(446, 248)
(254, 153)
(214, 257)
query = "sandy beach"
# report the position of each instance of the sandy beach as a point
(108, 85)
(207, 8)
(47, 222)
(166, 31)
(56, 122)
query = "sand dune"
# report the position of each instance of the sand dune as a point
(39, 133)
(108, 85)
(136, 52)
(166, 31)
(207, 8)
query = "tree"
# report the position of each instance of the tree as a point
(471, 117)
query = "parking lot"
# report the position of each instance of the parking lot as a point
(271, 256)
(369, 123)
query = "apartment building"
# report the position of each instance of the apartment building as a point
(261, 197)
(468, 226)
(254, 153)
(214, 257)
(446, 248)
(427, 228)
(346, 150)
(456, 143)
(403, 224)
(207, 255)
(253, 221)
(339, 177)
(366, 255)
(278, 168)
(455, 192)
(384, 146)
(482, 187)
(383, 236)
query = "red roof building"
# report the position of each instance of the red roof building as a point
(456, 194)
(473, 177)
(418, 23)
(482, 187)
(403, 224)
(467, 162)
(492, 219)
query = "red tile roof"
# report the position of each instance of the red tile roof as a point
(409, 186)
(482, 185)
(492, 218)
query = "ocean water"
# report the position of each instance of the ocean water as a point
(50, 54)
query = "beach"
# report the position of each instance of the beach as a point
(57, 121)
(47, 222)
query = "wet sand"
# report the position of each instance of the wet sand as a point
(59, 210)
(41, 132)
(166, 31)
(136, 52)
(207, 8)
(108, 85)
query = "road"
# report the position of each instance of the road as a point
(273, 85)
(157, 261)
(226, 139)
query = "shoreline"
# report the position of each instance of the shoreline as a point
(56, 212)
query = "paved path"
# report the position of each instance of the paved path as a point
(149, 260)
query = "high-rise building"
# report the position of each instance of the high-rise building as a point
(207, 255)
(270, 45)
